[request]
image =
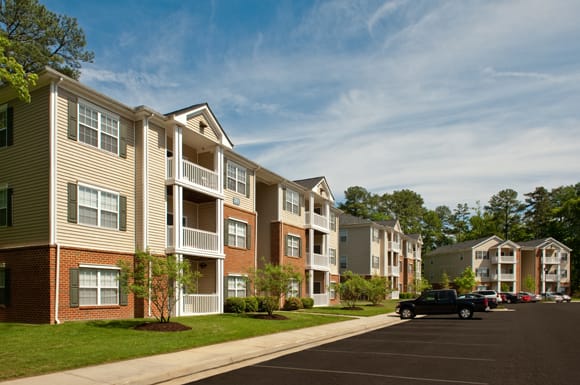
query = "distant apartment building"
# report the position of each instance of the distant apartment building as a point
(85, 181)
(539, 266)
(380, 248)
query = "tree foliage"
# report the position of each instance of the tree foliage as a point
(466, 281)
(39, 38)
(160, 280)
(352, 288)
(273, 281)
(12, 73)
(377, 289)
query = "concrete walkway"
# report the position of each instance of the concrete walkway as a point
(195, 364)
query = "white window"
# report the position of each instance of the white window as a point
(3, 206)
(3, 125)
(98, 128)
(292, 203)
(98, 287)
(375, 235)
(332, 290)
(237, 233)
(482, 272)
(292, 246)
(343, 235)
(293, 288)
(98, 208)
(236, 178)
(237, 286)
(332, 254)
(332, 221)
(343, 261)
(481, 254)
(375, 262)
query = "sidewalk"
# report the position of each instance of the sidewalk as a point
(195, 364)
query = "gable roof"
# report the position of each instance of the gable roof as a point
(184, 114)
(311, 183)
(348, 219)
(466, 245)
(542, 243)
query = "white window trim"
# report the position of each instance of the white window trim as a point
(101, 112)
(99, 190)
(4, 188)
(236, 234)
(299, 238)
(236, 289)
(98, 268)
(4, 130)
(289, 202)
(237, 177)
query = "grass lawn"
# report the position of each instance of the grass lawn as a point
(29, 350)
(368, 309)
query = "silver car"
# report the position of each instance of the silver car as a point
(565, 297)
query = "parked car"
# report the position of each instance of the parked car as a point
(533, 297)
(524, 297)
(509, 297)
(565, 297)
(441, 302)
(553, 297)
(492, 297)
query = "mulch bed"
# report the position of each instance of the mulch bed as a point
(162, 327)
(276, 317)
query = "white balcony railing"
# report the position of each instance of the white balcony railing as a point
(551, 260)
(195, 175)
(504, 277)
(503, 259)
(320, 299)
(552, 278)
(195, 239)
(394, 271)
(317, 220)
(200, 304)
(395, 294)
(318, 260)
(394, 246)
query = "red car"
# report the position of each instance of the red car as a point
(524, 297)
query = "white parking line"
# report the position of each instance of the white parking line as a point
(407, 355)
(422, 379)
(426, 342)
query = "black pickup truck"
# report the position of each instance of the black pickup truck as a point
(442, 302)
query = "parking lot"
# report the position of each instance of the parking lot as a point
(528, 344)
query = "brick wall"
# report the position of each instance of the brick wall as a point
(240, 260)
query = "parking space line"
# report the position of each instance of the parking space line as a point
(422, 379)
(407, 355)
(390, 341)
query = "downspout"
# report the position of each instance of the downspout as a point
(52, 191)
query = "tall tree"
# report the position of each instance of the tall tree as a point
(358, 202)
(407, 207)
(506, 209)
(12, 73)
(460, 222)
(42, 38)
(538, 213)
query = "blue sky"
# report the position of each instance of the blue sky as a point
(455, 100)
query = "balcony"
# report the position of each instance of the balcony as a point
(551, 260)
(395, 246)
(321, 299)
(317, 222)
(503, 259)
(200, 304)
(394, 271)
(504, 277)
(551, 278)
(318, 261)
(194, 240)
(195, 176)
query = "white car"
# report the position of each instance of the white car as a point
(565, 297)
(553, 297)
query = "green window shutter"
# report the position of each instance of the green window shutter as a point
(9, 126)
(123, 295)
(300, 203)
(122, 213)
(72, 203)
(73, 287)
(248, 236)
(247, 183)
(226, 281)
(225, 174)
(123, 139)
(299, 247)
(72, 119)
(286, 246)
(226, 237)
(9, 206)
(283, 198)
(5, 291)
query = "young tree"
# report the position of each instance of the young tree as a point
(352, 288)
(274, 281)
(12, 73)
(444, 280)
(466, 281)
(530, 283)
(40, 37)
(377, 289)
(423, 284)
(160, 280)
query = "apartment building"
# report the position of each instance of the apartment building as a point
(85, 181)
(380, 248)
(504, 265)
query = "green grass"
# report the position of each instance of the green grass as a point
(368, 309)
(29, 350)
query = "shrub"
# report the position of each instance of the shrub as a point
(307, 303)
(293, 303)
(235, 305)
(267, 304)
(251, 304)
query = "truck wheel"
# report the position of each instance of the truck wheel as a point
(465, 313)
(407, 314)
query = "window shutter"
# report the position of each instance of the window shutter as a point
(5, 291)
(248, 236)
(299, 247)
(73, 287)
(226, 237)
(122, 139)
(226, 281)
(283, 198)
(286, 244)
(122, 213)
(123, 297)
(72, 119)
(247, 183)
(72, 203)
(225, 174)
(9, 205)
(10, 126)
(300, 203)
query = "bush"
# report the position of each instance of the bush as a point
(251, 304)
(267, 304)
(235, 305)
(293, 303)
(307, 303)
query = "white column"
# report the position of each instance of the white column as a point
(219, 279)
(179, 292)
(327, 287)
(543, 271)
(311, 283)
